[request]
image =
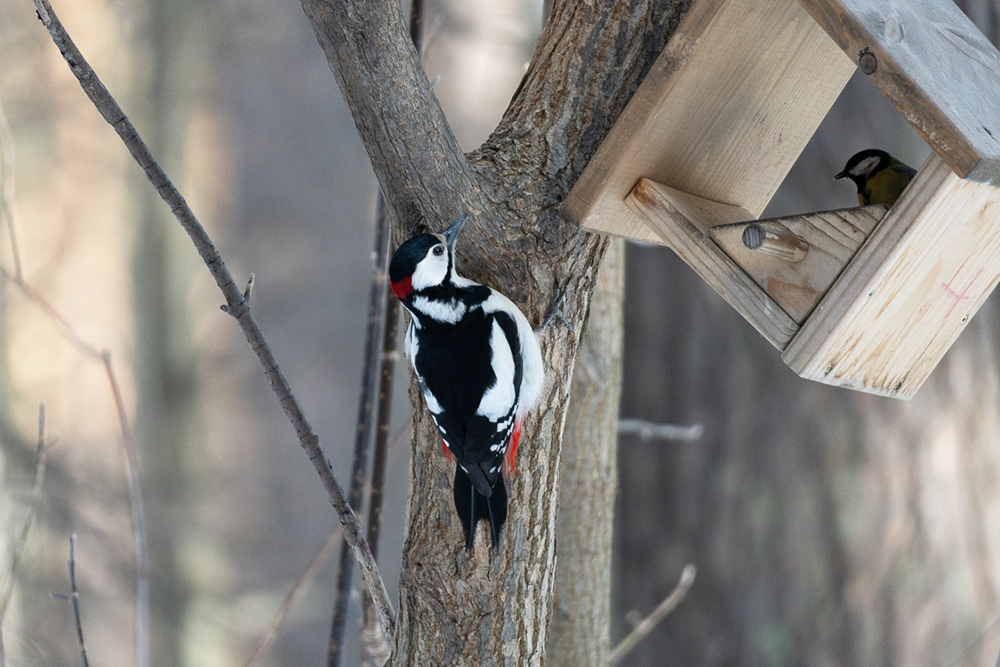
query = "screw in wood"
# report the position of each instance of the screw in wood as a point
(867, 61)
(780, 244)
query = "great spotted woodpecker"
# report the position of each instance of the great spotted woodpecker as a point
(479, 368)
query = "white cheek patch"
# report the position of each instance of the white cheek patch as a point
(431, 271)
(865, 166)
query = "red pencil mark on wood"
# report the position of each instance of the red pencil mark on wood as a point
(958, 297)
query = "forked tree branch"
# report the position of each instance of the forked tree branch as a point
(395, 110)
(236, 303)
(662, 610)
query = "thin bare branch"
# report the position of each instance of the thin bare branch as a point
(75, 598)
(375, 642)
(661, 612)
(650, 431)
(279, 617)
(377, 303)
(236, 303)
(138, 519)
(7, 197)
(380, 457)
(61, 322)
(128, 451)
(36, 496)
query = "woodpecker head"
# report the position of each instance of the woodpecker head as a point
(427, 260)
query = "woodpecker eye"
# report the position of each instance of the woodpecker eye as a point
(438, 250)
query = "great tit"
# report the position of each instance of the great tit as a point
(880, 177)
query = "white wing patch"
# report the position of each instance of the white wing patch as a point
(498, 399)
(410, 348)
(432, 403)
(410, 342)
(442, 311)
(532, 370)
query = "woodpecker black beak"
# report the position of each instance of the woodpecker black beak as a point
(454, 228)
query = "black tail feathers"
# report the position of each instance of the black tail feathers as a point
(473, 506)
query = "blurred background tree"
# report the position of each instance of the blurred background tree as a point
(828, 527)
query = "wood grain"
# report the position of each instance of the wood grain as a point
(723, 113)
(832, 237)
(936, 68)
(910, 290)
(664, 210)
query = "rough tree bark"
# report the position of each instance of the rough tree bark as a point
(494, 606)
(588, 482)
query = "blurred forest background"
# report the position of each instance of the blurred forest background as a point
(828, 527)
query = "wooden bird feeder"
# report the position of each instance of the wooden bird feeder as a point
(865, 298)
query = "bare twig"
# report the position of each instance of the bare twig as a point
(662, 611)
(138, 519)
(36, 496)
(649, 431)
(128, 450)
(75, 598)
(380, 458)
(236, 303)
(375, 642)
(377, 302)
(321, 557)
(61, 322)
(7, 198)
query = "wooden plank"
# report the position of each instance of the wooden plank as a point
(798, 280)
(723, 113)
(910, 290)
(664, 210)
(936, 68)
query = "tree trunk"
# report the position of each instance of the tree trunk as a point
(589, 479)
(489, 606)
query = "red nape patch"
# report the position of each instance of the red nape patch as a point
(515, 438)
(403, 288)
(447, 452)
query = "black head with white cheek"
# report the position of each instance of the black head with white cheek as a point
(863, 164)
(423, 262)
